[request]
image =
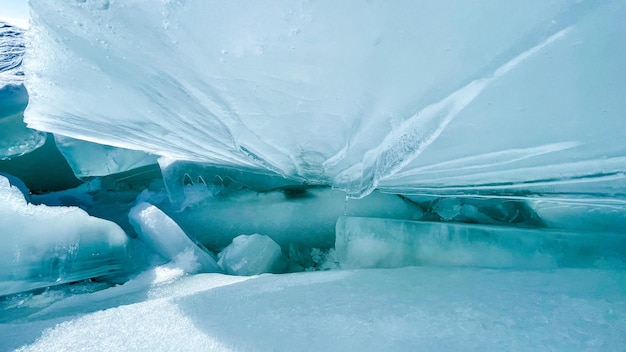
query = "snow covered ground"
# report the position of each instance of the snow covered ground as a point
(407, 309)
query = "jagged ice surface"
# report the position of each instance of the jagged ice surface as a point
(491, 97)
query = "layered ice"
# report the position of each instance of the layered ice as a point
(44, 246)
(451, 97)
(388, 243)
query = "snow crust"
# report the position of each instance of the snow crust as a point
(449, 97)
(408, 309)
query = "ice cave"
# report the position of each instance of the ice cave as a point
(312, 175)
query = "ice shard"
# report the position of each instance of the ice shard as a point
(160, 233)
(411, 97)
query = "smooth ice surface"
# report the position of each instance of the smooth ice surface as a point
(431, 97)
(388, 243)
(408, 309)
(252, 255)
(44, 246)
(159, 232)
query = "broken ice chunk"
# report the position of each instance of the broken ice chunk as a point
(166, 238)
(375, 242)
(252, 255)
(44, 246)
(10, 180)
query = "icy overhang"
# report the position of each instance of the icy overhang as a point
(449, 97)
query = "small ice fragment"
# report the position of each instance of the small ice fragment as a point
(252, 255)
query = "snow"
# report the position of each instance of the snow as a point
(408, 309)
(358, 95)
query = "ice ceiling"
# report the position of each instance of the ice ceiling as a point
(488, 98)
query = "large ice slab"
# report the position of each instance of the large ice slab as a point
(44, 246)
(388, 243)
(489, 97)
